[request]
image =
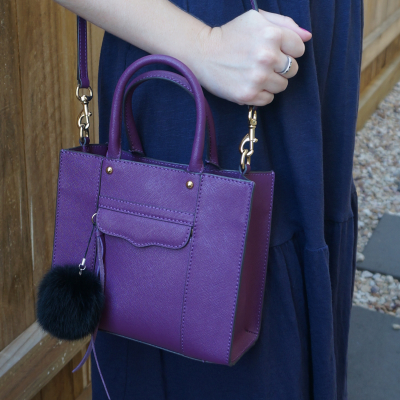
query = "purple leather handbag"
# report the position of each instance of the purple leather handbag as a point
(181, 250)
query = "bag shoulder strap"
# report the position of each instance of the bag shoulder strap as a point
(82, 67)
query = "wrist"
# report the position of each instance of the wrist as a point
(205, 50)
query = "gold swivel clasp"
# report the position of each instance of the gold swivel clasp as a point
(250, 137)
(83, 118)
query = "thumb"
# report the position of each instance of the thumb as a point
(286, 22)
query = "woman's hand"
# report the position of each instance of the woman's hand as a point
(238, 61)
(241, 60)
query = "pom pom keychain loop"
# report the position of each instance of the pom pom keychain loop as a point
(82, 265)
(71, 299)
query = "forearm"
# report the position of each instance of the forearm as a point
(239, 61)
(156, 26)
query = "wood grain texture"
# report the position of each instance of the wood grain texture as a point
(392, 6)
(380, 62)
(31, 370)
(48, 82)
(20, 347)
(378, 40)
(81, 378)
(16, 290)
(95, 39)
(86, 394)
(377, 90)
(61, 386)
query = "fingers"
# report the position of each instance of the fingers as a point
(286, 22)
(282, 65)
(262, 99)
(275, 84)
(291, 43)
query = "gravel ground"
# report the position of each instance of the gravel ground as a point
(377, 178)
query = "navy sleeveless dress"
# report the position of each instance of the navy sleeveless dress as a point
(306, 135)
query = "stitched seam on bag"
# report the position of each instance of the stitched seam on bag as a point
(190, 266)
(163, 163)
(144, 244)
(241, 260)
(85, 58)
(248, 183)
(151, 166)
(266, 252)
(62, 154)
(146, 215)
(58, 207)
(144, 205)
(127, 128)
(95, 207)
(73, 153)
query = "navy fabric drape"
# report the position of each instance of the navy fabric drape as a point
(307, 137)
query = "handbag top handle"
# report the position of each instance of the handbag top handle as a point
(196, 163)
(132, 133)
(114, 146)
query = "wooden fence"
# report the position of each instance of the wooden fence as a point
(38, 111)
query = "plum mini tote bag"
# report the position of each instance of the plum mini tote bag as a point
(171, 255)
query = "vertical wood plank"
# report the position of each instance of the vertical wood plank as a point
(369, 15)
(80, 378)
(47, 82)
(16, 294)
(381, 7)
(95, 39)
(392, 6)
(61, 386)
(37, 397)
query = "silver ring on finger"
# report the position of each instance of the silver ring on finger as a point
(288, 65)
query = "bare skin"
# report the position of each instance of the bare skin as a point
(239, 61)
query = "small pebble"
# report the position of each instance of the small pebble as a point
(376, 175)
(366, 274)
(360, 257)
(374, 289)
(396, 327)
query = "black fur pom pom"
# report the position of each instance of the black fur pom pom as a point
(69, 305)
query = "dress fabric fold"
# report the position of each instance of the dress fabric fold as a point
(306, 136)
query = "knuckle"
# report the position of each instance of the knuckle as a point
(258, 77)
(274, 34)
(289, 20)
(246, 96)
(268, 57)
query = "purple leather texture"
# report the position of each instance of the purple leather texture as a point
(82, 65)
(133, 135)
(77, 197)
(254, 4)
(247, 325)
(182, 268)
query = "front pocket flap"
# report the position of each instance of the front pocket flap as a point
(142, 231)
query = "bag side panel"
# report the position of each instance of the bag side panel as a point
(212, 282)
(251, 295)
(77, 197)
